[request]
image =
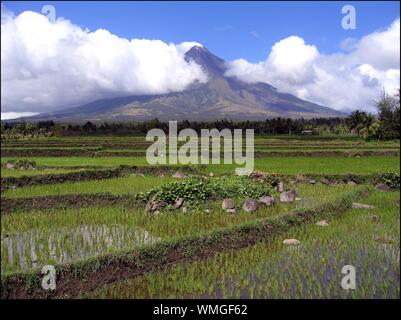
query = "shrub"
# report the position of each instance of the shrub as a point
(392, 179)
(200, 189)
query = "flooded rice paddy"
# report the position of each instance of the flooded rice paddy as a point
(35, 248)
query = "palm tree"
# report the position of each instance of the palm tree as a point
(355, 119)
(369, 127)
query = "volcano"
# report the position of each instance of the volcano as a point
(221, 97)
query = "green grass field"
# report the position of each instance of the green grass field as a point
(288, 165)
(123, 185)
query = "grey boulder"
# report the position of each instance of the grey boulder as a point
(288, 196)
(250, 205)
(280, 187)
(267, 200)
(178, 175)
(178, 203)
(357, 205)
(382, 187)
(228, 204)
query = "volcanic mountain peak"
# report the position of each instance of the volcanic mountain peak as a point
(221, 97)
(212, 65)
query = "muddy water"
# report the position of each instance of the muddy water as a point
(35, 248)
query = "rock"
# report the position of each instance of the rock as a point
(297, 199)
(280, 187)
(154, 205)
(357, 205)
(311, 181)
(266, 200)
(352, 183)
(288, 196)
(178, 203)
(207, 211)
(382, 187)
(324, 181)
(184, 209)
(322, 223)
(9, 166)
(161, 205)
(211, 174)
(156, 212)
(291, 242)
(250, 205)
(228, 204)
(150, 206)
(178, 175)
(259, 175)
(232, 211)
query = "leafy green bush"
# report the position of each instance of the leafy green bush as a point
(199, 189)
(392, 179)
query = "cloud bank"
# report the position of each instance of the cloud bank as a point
(49, 66)
(343, 81)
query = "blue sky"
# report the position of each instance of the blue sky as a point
(231, 30)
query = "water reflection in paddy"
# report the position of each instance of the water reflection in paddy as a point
(35, 248)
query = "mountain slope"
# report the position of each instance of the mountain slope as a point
(221, 97)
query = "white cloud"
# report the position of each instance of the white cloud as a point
(291, 59)
(342, 81)
(380, 49)
(15, 115)
(48, 66)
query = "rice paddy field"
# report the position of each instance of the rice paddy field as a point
(81, 204)
(269, 270)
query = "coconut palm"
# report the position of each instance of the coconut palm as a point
(355, 120)
(369, 127)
